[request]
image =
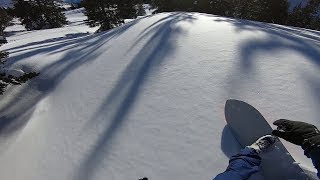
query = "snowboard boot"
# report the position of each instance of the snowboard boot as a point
(263, 143)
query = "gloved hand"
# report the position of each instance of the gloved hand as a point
(300, 133)
(303, 134)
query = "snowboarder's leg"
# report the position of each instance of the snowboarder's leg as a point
(247, 161)
(242, 165)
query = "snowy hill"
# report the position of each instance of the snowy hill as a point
(147, 98)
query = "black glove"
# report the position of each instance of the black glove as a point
(303, 134)
(300, 133)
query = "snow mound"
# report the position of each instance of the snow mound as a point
(147, 98)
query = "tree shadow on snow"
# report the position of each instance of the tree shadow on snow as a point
(273, 39)
(13, 33)
(16, 110)
(65, 40)
(120, 100)
(277, 38)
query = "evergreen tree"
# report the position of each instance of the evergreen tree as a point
(306, 16)
(221, 7)
(101, 13)
(163, 5)
(140, 10)
(203, 6)
(174, 5)
(274, 11)
(109, 13)
(245, 9)
(127, 9)
(4, 20)
(6, 80)
(39, 14)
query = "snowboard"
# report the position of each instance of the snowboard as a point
(247, 125)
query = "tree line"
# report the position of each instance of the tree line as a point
(305, 15)
(111, 13)
(107, 14)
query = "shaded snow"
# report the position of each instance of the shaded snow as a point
(295, 3)
(147, 98)
(5, 3)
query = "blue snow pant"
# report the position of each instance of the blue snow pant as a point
(242, 165)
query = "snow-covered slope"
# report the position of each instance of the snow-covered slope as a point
(147, 98)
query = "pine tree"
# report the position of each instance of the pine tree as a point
(4, 20)
(221, 7)
(306, 16)
(174, 5)
(127, 9)
(39, 14)
(140, 10)
(273, 11)
(6, 80)
(165, 5)
(101, 13)
(109, 13)
(244, 9)
(203, 6)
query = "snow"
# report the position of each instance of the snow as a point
(147, 98)
(5, 3)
